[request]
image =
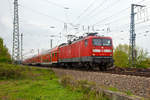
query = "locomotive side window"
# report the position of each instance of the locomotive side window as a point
(86, 42)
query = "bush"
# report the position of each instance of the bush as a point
(143, 64)
(67, 81)
(11, 72)
(121, 59)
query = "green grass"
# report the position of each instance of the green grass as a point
(36, 90)
(32, 84)
(113, 89)
(129, 93)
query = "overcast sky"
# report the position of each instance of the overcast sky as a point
(109, 17)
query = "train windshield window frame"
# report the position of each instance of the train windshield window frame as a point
(97, 42)
(101, 42)
(107, 42)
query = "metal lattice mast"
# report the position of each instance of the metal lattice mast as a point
(16, 42)
(22, 47)
(132, 50)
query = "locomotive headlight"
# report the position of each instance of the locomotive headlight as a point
(96, 50)
(107, 50)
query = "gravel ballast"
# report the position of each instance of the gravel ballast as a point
(137, 85)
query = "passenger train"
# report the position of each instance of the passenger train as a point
(91, 51)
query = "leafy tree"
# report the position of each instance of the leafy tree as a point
(142, 59)
(141, 55)
(121, 57)
(4, 54)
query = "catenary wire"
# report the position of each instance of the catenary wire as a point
(115, 14)
(83, 13)
(40, 13)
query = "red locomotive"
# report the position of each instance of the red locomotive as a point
(90, 51)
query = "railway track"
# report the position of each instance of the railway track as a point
(143, 72)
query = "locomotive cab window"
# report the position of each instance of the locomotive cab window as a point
(106, 42)
(101, 42)
(86, 42)
(97, 42)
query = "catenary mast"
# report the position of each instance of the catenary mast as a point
(16, 35)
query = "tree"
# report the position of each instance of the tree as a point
(142, 59)
(4, 54)
(141, 55)
(121, 57)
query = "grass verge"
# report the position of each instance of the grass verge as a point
(26, 83)
(30, 83)
(87, 88)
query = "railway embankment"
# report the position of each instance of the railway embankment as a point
(131, 85)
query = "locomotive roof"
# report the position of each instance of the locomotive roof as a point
(87, 37)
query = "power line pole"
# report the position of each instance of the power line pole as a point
(16, 42)
(21, 47)
(132, 49)
(93, 28)
(88, 28)
(51, 43)
(66, 30)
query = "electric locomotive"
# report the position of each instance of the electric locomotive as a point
(90, 51)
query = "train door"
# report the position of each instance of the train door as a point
(50, 57)
(85, 47)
